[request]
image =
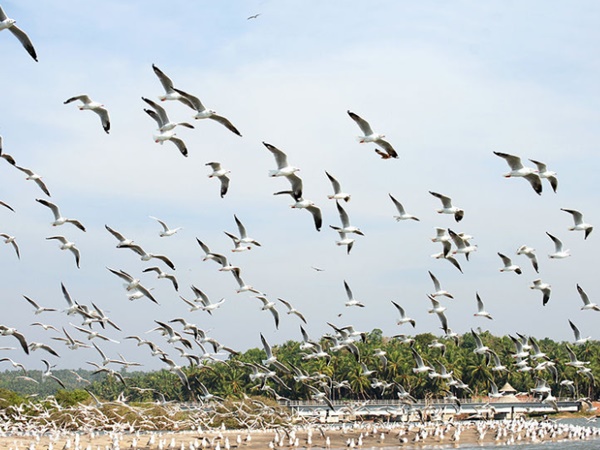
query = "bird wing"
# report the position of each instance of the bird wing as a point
(280, 157)
(398, 205)
(557, 242)
(266, 346)
(296, 183)
(336, 185)
(436, 283)
(24, 40)
(446, 201)
(159, 121)
(50, 205)
(194, 102)
(180, 145)
(348, 291)
(343, 215)
(535, 181)
(224, 179)
(505, 259)
(83, 98)
(513, 161)
(224, 121)
(317, 217)
(387, 147)
(240, 226)
(362, 123)
(577, 216)
(160, 113)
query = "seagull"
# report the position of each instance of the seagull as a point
(38, 309)
(559, 253)
(421, 367)
(544, 287)
(148, 256)
(217, 257)
(403, 317)
(161, 274)
(67, 245)
(292, 310)
(45, 326)
(351, 300)
(518, 170)
(346, 227)
(543, 172)
(243, 287)
(48, 374)
(573, 361)
(58, 218)
(508, 265)
(481, 312)
(285, 170)
(221, 174)
(166, 230)
(160, 116)
(580, 225)
(123, 241)
(203, 113)
(98, 108)
(269, 305)
(254, 16)
(93, 334)
(480, 349)
(438, 288)
(238, 244)
(587, 304)
(31, 175)
(8, 331)
(529, 252)
(243, 234)
(7, 23)
(436, 306)
(403, 215)
(33, 346)
(6, 205)
(448, 208)
(167, 85)
(309, 205)
(272, 359)
(337, 190)
(133, 284)
(8, 239)
(445, 255)
(207, 305)
(370, 136)
(462, 244)
(578, 339)
(16, 365)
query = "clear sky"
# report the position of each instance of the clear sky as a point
(447, 83)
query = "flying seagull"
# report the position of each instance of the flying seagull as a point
(579, 225)
(337, 190)
(221, 174)
(543, 172)
(167, 85)
(544, 287)
(7, 23)
(308, 205)
(31, 175)
(285, 170)
(530, 253)
(8, 239)
(518, 170)
(166, 232)
(370, 136)
(448, 208)
(402, 214)
(67, 245)
(508, 265)
(559, 253)
(58, 218)
(98, 108)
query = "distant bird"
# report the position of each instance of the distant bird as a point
(529, 252)
(580, 225)
(167, 84)
(481, 312)
(544, 287)
(559, 252)
(122, 239)
(587, 304)
(68, 245)
(284, 169)
(98, 108)
(8, 239)
(292, 310)
(402, 214)
(270, 306)
(203, 113)
(271, 358)
(448, 208)
(508, 265)
(48, 374)
(221, 174)
(543, 172)
(243, 234)
(578, 339)
(254, 16)
(38, 309)
(337, 190)
(309, 205)
(166, 232)
(7, 23)
(370, 136)
(243, 287)
(351, 300)
(161, 274)
(145, 256)
(31, 175)
(403, 317)
(518, 170)
(58, 218)
(133, 284)
(421, 367)
(438, 288)
(480, 349)
(345, 219)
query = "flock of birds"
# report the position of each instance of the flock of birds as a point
(196, 346)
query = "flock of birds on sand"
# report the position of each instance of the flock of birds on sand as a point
(194, 344)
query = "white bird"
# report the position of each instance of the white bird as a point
(587, 304)
(32, 176)
(270, 306)
(271, 358)
(292, 310)
(243, 234)
(166, 232)
(436, 306)
(573, 361)
(448, 208)
(447, 256)
(145, 256)
(38, 309)
(421, 367)
(462, 244)
(9, 331)
(402, 214)
(480, 349)
(167, 84)
(285, 170)
(67, 245)
(48, 374)
(559, 252)
(508, 265)
(346, 227)
(203, 113)
(58, 218)
(239, 246)
(481, 312)
(441, 235)
(123, 241)
(309, 205)
(161, 274)
(8, 23)
(530, 253)
(337, 190)
(544, 287)
(579, 225)
(8, 239)
(403, 317)
(543, 172)
(578, 339)
(438, 288)
(89, 104)
(207, 305)
(243, 287)
(518, 170)
(133, 284)
(351, 300)
(221, 174)
(370, 136)
(160, 116)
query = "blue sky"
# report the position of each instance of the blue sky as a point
(446, 83)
